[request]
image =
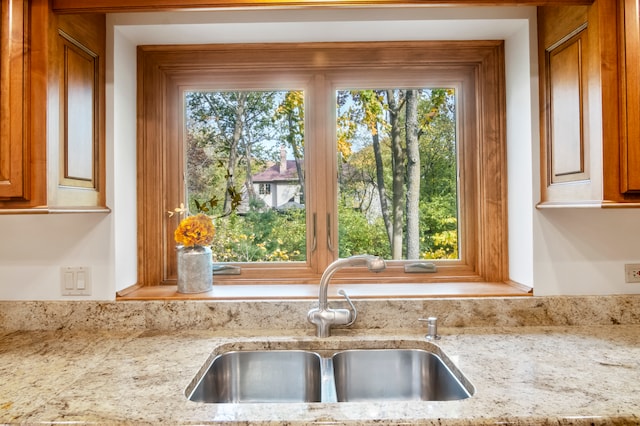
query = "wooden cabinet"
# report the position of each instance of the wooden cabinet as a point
(12, 87)
(52, 155)
(566, 55)
(590, 106)
(52, 133)
(22, 113)
(76, 129)
(630, 97)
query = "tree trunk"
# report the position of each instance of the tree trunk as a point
(249, 176)
(413, 176)
(298, 156)
(398, 164)
(382, 190)
(233, 151)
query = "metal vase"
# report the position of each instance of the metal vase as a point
(195, 274)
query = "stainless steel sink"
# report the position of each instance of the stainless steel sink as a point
(261, 376)
(338, 375)
(394, 374)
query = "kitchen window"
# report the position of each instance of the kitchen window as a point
(316, 166)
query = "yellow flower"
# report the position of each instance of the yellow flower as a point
(195, 230)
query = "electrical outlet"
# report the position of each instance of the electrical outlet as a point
(75, 281)
(632, 272)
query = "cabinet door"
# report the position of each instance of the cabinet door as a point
(590, 104)
(630, 137)
(13, 153)
(76, 112)
(23, 79)
(570, 114)
(568, 142)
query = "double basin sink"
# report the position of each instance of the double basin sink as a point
(290, 375)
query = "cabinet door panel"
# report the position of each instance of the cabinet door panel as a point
(630, 149)
(12, 86)
(566, 139)
(80, 80)
(76, 112)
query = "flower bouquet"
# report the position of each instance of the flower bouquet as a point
(194, 235)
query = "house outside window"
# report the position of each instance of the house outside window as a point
(280, 181)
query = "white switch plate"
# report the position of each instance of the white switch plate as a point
(75, 280)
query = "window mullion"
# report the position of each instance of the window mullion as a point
(321, 174)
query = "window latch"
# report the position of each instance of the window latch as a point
(420, 268)
(225, 270)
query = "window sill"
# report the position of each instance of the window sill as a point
(548, 205)
(55, 210)
(310, 291)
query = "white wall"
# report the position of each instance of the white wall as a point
(34, 247)
(121, 134)
(584, 251)
(559, 252)
(522, 141)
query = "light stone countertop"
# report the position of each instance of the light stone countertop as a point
(533, 375)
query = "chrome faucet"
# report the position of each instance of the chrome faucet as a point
(324, 317)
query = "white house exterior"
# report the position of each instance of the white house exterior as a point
(279, 184)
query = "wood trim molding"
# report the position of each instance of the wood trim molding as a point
(162, 70)
(310, 292)
(587, 205)
(494, 263)
(109, 6)
(55, 210)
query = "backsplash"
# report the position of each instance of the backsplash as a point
(292, 315)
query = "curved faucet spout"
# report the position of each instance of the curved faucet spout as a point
(322, 316)
(373, 263)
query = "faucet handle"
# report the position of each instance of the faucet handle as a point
(354, 312)
(432, 328)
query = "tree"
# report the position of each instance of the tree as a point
(413, 175)
(234, 124)
(199, 163)
(395, 105)
(397, 161)
(412, 144)
(368, 108)
(438, 206)
(290, 113)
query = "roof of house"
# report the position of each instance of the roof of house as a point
(272, 174)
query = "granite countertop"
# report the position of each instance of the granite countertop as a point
(522, 375)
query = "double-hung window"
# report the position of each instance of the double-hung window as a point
(304, 153)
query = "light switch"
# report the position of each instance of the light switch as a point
(75, 280)
(80, 280)
(68, 280)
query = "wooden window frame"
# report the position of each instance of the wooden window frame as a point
(474, 67)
